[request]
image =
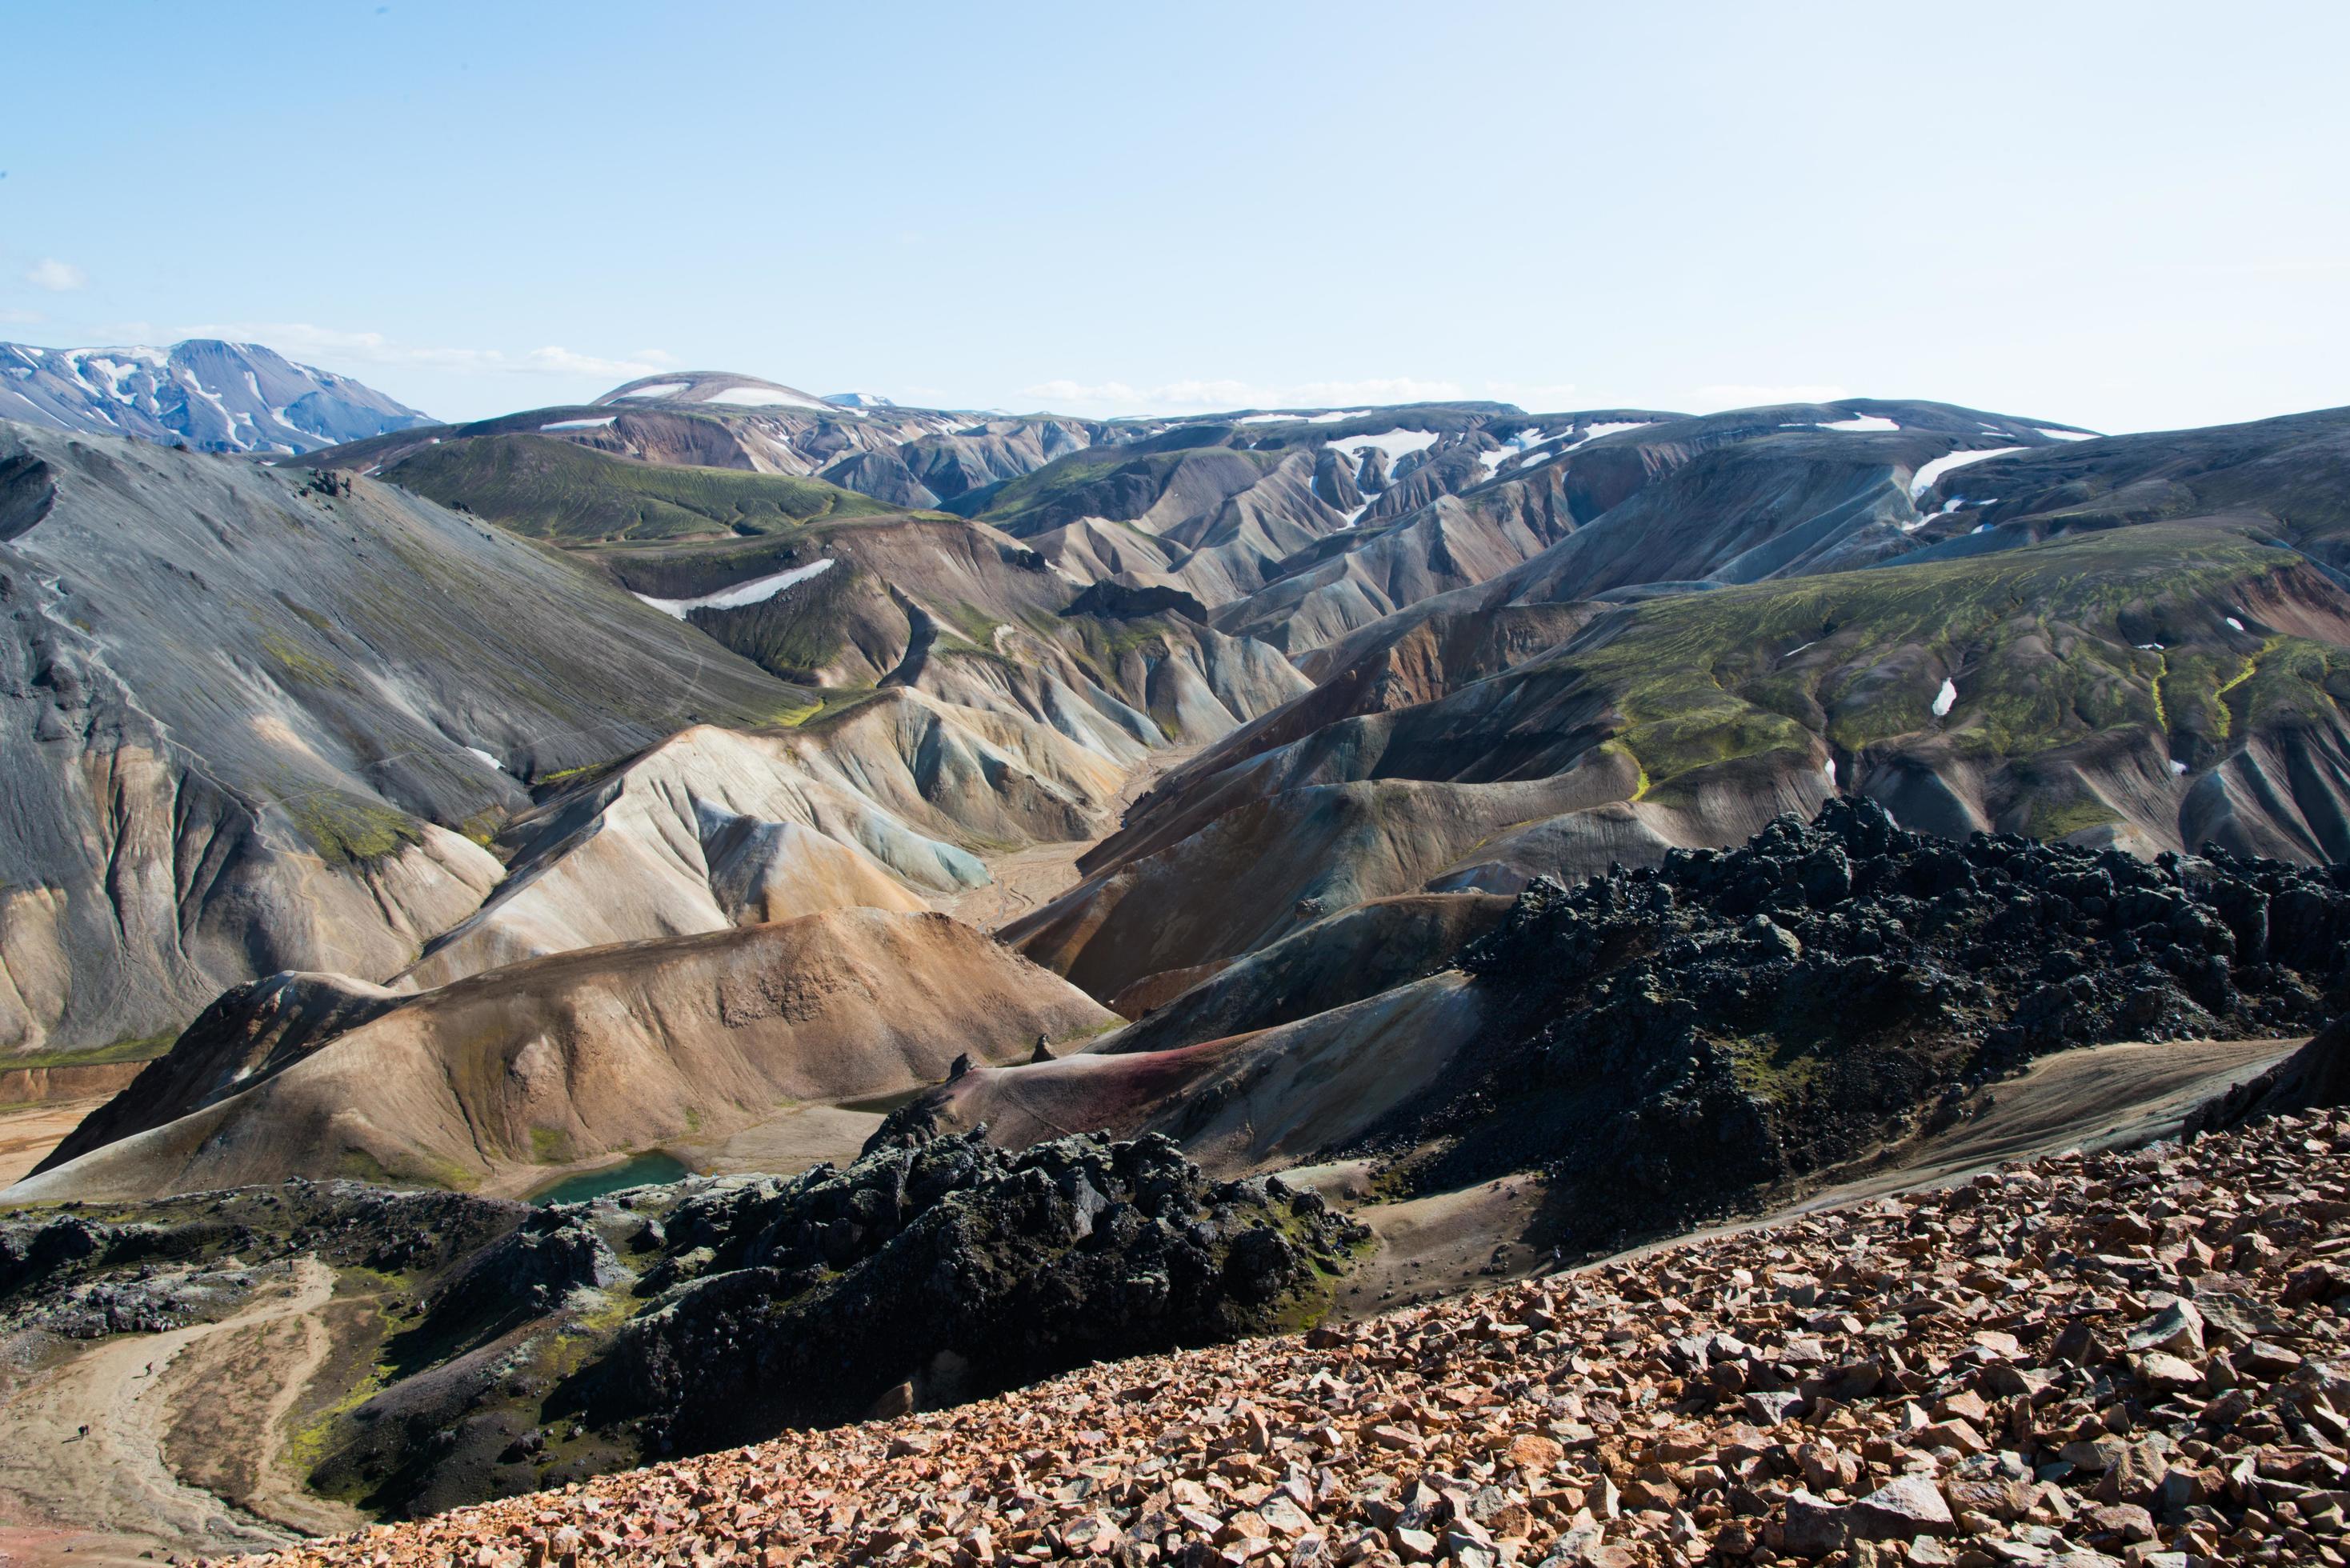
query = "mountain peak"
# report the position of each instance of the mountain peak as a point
(723, 387)
(202, 392)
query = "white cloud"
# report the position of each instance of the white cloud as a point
(1535, 397)
(57, 277)
(556, 361)
(1184, 397)
(303, 340)
(1711, 399)
(1191, 396)
(21, 318)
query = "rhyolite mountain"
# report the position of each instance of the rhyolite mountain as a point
(453, 700)
(203, 393)
(1428, 649)
(1484, 793)
(255, 722)
(1069, 595)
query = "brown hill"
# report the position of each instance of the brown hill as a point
(585, 1053)
(1273, 1097)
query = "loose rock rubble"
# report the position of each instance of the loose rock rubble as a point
(2124, 1358)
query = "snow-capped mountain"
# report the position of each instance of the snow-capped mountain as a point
(720, 386)
(203, 393)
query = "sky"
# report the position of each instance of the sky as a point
(2122, 216)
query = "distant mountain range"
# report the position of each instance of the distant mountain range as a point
(1514, 644)
(1644, 812)
(203, 393)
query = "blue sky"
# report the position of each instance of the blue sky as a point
(2124, 216)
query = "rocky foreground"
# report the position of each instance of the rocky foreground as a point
(2129, 1357)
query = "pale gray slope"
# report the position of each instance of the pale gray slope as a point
(240, 719)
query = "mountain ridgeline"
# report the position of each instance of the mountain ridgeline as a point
(1002, 843)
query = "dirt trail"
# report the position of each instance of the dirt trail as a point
(2104, 1095)
(2095, 1098)
(1445, 1244)
(2098, 1097)
(83, 1478)
(277, 1493)
(1026, 879)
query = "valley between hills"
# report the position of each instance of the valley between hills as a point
(618, 934)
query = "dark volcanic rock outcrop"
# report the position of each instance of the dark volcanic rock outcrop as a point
(958, 1266)
(1674, 1037)
(1115, 601)
(85, 1273)
(523, 1347)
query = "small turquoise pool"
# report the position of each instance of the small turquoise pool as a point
(637, 1170)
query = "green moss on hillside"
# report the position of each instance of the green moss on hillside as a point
(346, 830)
(2033, 637)
(798, 634)
(295, 663)
(1038, 501)
(571, 494)
(145, 1048)
(2296, 682)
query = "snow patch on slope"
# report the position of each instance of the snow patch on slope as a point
(1926, 477)
(758, 590)
(1512, 447)
(1593, 433)
(1396, 443)
(773, 397)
